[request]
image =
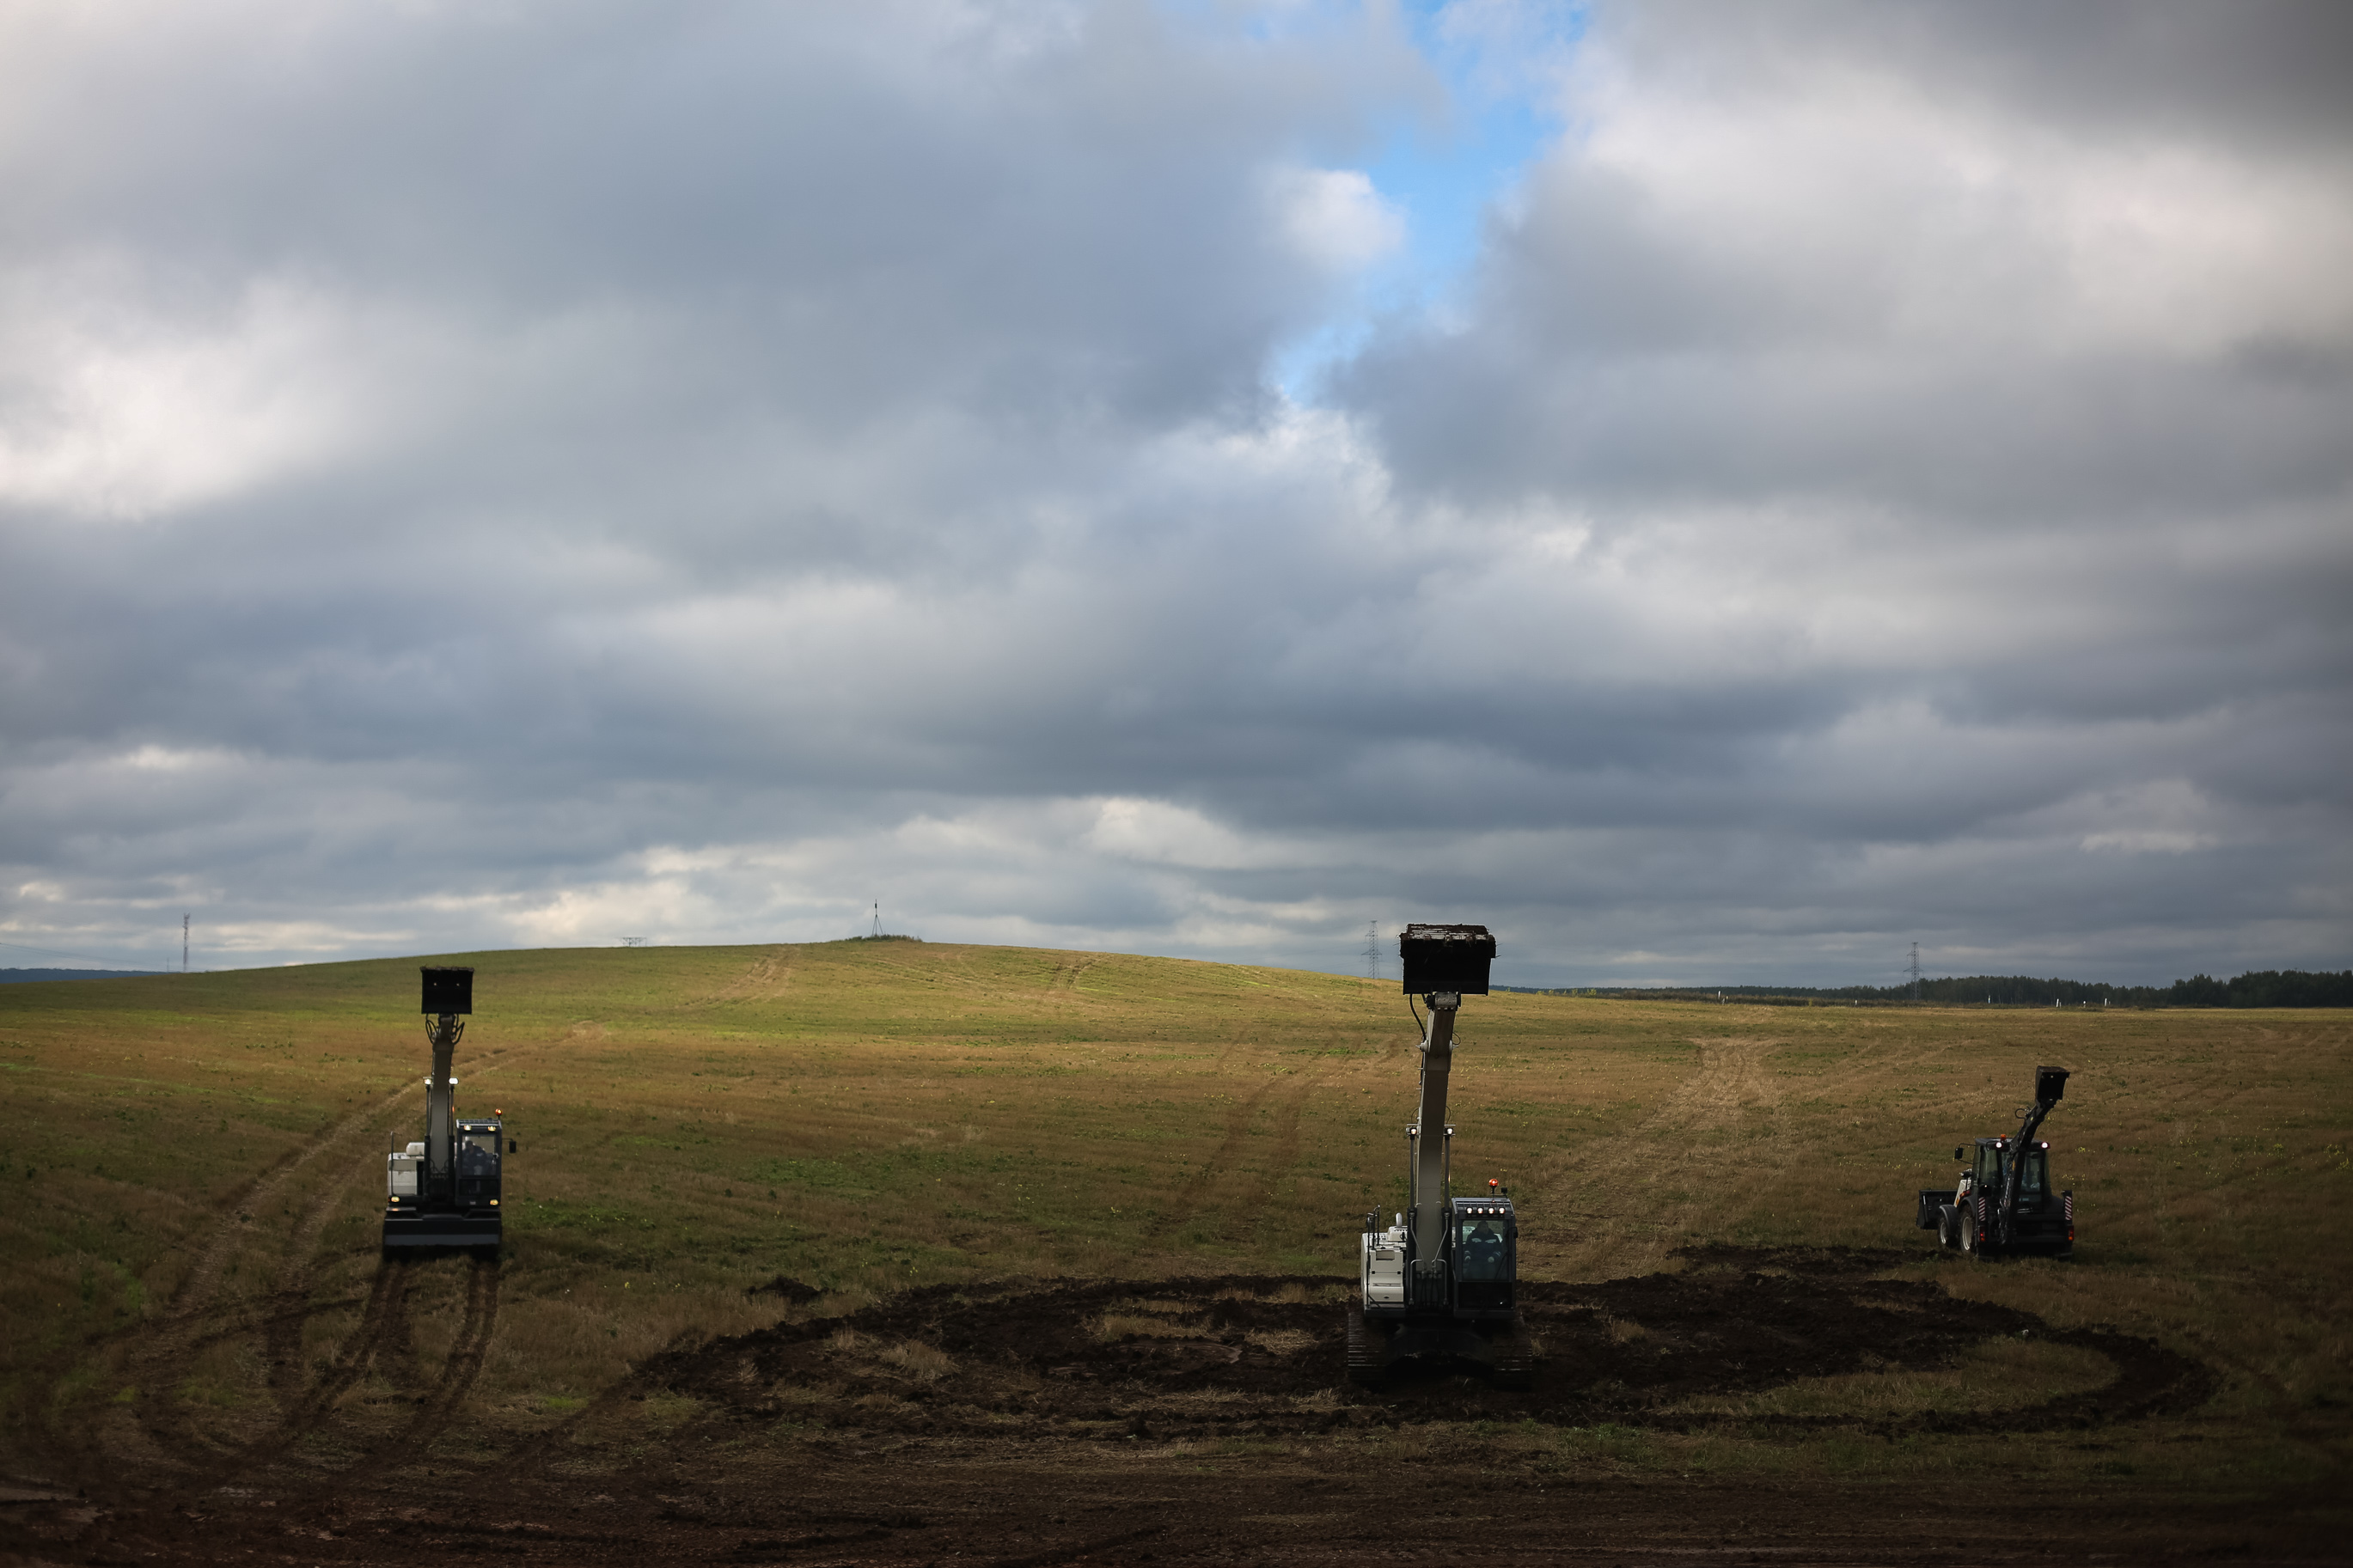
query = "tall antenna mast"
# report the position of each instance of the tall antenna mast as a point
(877, 917)
(1372, 950)
(1916, 972)
(183, 944)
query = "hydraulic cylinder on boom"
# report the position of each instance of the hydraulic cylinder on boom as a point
(1439, 1282)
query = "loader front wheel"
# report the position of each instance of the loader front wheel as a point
(1949, 1228)
(1966, 1223)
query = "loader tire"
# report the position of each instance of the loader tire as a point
(1966, 1223)
(1949, 1228)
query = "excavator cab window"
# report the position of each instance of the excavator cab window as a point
(478, 1154)
(1478, 1251)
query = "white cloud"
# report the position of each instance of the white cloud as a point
(1335, 219)
(116, 418)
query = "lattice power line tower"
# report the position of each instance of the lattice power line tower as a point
(1372, 950)
(1914, 969)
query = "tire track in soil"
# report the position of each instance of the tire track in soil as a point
(369, 1338)
(380, 1310)
(381, 1338)
(534, 1452)
(467, 1349)
(1651, 1184)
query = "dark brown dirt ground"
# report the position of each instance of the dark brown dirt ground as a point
(1171, 1421)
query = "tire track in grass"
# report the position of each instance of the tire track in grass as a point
(155, 1446)
(467, 1351)
(1193, 1196)
(380, 1335)
(386, 1344)
(386, 1300)
(763, 980)
(1638, 1193)
(160, 1364)
(1227, 1182)
(299, 1312)
(282, 1332)
(370, 1338)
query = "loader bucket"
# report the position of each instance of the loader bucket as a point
(2050, 1083)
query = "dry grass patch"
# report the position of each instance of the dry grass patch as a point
(916, 1360)
(1120, 1325)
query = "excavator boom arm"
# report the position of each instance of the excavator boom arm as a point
(1429, 1145)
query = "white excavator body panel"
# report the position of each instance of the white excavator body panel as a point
(1384, 1267)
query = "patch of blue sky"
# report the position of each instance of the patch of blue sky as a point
(1443, 169)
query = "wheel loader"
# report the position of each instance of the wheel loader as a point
(2003, 1202)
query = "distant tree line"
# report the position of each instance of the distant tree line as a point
(2256, 988)
(10, 974)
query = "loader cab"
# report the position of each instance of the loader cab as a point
(1484, 1238)
(2034, 1170)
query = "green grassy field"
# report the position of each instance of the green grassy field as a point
(871, 1116)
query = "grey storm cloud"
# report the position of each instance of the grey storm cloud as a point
(475, 476)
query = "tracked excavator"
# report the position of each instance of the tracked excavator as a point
(1438, 1284)
(2003, 1201)
(444, 1191)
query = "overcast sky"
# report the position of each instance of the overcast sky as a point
(1711, 492)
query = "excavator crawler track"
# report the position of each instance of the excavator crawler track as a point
(1365, 1358)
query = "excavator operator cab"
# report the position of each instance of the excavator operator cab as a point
(478, 1164)
(1485, 1246)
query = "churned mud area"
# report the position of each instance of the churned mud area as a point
(1177, 1420)
(1217, 1357)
